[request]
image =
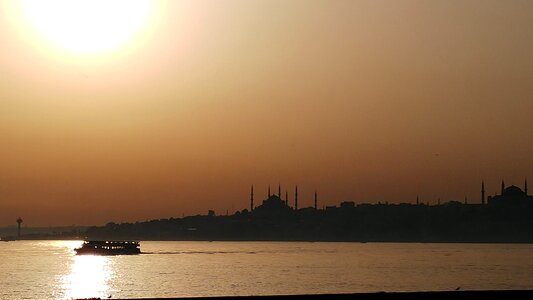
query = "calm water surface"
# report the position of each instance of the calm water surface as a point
(50, 270)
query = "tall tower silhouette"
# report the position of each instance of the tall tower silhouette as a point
(268, 191)
(19, 221)
(525, 186)
(482, 192)
(286, 197)
(279, 190)
(417, 202)
(466, 200)
(316, 198)
(252, 198)
(296, 199)
(503, 187)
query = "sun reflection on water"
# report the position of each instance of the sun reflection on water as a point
(88, 278)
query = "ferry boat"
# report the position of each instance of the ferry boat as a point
(109, 248)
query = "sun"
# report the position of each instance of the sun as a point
(87, 26)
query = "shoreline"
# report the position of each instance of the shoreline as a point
(494, 294)
(11, 239)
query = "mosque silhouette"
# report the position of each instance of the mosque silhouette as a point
(501, 218)
(511, 195)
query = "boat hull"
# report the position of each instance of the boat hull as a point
(109, 248)
(81, 251)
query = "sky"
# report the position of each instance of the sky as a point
(368, 101)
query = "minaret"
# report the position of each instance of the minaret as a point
(252, 198)
(19, 221)
(466, 200)
(417, 202)
(287, 198)
(525, 186)
(316, 199)
(269, 191)
(482, 192)
(503, 187)
(279, 190)
(296, 199)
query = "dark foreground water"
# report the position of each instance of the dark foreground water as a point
(50, 270)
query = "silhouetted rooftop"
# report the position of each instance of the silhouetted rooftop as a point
(513, 191)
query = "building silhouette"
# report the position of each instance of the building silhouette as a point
(482, 192)
(252, 198)
(273, 206)
(501, 218)
(511, 196)
(19, 222)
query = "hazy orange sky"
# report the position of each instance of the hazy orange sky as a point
(362, 100)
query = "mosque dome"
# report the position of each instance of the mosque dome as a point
(513, 191)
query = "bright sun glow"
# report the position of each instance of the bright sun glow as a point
(87, 26)
(89, 277)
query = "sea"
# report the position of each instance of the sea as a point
(51, 270)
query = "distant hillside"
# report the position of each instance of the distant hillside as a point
(450, 222)
(42, 232)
